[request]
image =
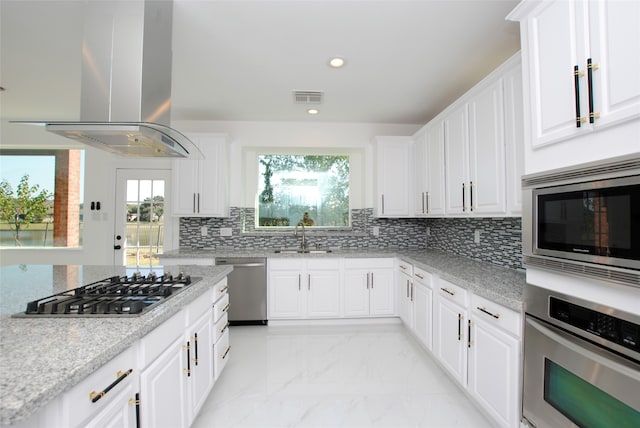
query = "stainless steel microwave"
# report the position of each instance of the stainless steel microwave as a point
(589, 215)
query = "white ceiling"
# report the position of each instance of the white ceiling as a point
(241, 60)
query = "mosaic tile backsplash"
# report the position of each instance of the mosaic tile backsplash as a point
(500, 238)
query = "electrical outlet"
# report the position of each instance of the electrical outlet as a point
(428, 231)
(375, 230)
(225, 231)
(204, 231)
(476, 236)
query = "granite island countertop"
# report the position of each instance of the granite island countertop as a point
(42, 358)
(498, 284)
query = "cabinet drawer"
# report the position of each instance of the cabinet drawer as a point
(405, 267)
(287, 264)
(220, 289)
(422, 276)
(369, 263)
(220, 307)
(220, 327)
(447, 290)
(152, 345)
(88, 398)
(222, 351)
(496, 314)
(198, 307)
(319, 264)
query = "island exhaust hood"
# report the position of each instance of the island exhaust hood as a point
(125, 105)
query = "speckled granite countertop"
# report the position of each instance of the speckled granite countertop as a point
(498, 284)
(42, 358)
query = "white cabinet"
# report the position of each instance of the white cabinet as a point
(560, 39)
(178, 362)
(368, 287)
(200, 187)
(394, 177)
(513, 136)
(449, 324)
(163, 388)
(405, 293)
(107, 397)
(475, 153)
(300, 288)
(494, 356)
(423, 306)
(429, 171)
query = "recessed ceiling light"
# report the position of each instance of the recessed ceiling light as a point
(313, 111)
(336, 62)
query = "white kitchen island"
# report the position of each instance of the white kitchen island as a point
(44, 360)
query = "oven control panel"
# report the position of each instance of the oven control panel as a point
(613, 329)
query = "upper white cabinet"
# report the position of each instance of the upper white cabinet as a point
(580, 62)
(429, 170)
(469, 160)
(514, 136)
(475, 153)
(394, 177)
(200, 186)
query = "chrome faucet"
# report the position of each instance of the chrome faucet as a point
(303, 244)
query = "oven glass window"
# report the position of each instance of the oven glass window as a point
(583, 403)
(601, 222)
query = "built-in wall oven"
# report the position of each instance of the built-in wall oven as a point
(581, 363)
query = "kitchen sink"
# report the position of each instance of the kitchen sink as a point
(301, 251)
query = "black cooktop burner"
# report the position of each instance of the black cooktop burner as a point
(115, 296)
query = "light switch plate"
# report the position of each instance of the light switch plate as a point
(476, 236)
(225, 231)
(204, 231)
(375, 230)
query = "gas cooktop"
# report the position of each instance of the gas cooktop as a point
(118, 296)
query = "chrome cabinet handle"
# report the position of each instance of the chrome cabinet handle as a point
(412, 287)
(224, 328)
(194, 203)
(469, 334)
(407, 288)
(383, 204)
(309, 282)
(372, 280)
(459, 327)
(198, 202)
(368, 280)
(427, 199)
(419, 276)
(226, 308)
(471, 196)
(299, 280)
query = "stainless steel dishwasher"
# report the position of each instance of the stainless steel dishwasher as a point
(247, 290)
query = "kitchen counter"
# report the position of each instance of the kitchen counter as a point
(498, 284)
(42, 358)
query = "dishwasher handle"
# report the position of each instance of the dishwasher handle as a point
(228, 262)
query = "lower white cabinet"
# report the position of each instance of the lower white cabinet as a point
(368, 287)
(494, 356)
(300, 288)
(450, 314)
(179, 362)
(422, 306)
(105, 398)
(405, 293)
(163, 389)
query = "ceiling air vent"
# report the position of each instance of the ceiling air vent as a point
(307, 97)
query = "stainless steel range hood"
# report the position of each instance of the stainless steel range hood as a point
(125, 105)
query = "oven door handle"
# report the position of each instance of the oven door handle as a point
(591, 352)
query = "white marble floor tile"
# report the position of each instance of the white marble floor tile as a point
(333, 376)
